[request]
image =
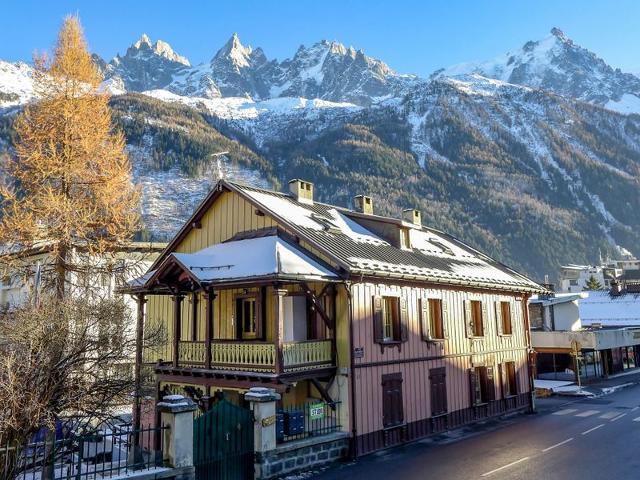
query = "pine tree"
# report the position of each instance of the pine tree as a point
(593, 284)
(72, 177)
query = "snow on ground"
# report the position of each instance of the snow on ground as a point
(628, 103)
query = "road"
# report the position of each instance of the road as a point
(587, 439)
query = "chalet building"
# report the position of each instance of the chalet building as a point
(411, 331)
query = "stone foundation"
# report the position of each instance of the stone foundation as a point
(302, 455)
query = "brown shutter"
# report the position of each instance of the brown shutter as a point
(238, 318)
(260, 318)
(404, 319)
(468, 318)
(377, 319)
(445, 318)
(491, 387)
(424, 319)
(472, 385)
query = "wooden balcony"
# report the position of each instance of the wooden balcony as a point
(256, 356)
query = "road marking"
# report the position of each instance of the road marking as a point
(588, 413)
(558, 444)
(594, 428)
(636, 419)
(504, 466)
(566, 411)
(608, 415)
(619, 416)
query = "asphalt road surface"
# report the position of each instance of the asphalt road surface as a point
(589, 439)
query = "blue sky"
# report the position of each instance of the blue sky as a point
(411, 36)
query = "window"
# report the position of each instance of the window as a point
(473, 312)
(481, 385)
(510, 379)
(505, 318)
(437, 378)
(431, 319)
(390, 317)
(392, 405)
(248, 317)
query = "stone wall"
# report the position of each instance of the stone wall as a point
(307, 454)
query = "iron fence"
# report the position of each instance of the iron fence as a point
(313, 418)
(101, 454)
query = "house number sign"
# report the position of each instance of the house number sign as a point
(270, 420)
(316, 411)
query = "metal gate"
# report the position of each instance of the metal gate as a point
(223, 443)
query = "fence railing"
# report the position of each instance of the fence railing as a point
(97, 455)
(239, 355)
(313, 418)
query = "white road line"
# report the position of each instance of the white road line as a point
(588, 413)
(558, 444)
(594, 428)
(566, 411)
(619, 416)
(608, 415)
(504, 466)
(636, 419)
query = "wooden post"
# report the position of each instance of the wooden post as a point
(278, 325)
(194, 316)
(209, 296)
(137, 410)
(177, 326)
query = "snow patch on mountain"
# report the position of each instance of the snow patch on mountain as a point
(16, 84)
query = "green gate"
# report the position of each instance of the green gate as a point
(223, 443)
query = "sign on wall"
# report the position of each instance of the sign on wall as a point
(316, 411)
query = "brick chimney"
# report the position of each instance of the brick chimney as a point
(412, 216)
(302, 190)
(363, 204)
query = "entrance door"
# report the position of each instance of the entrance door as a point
(223, 443)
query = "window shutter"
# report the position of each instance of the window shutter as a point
(424, 318)
(259, 316)
(404, 319)
(377, 319)
(238, 319)
(498, 308)
(491, 387)
(468, 318)
(515, 379)
(502, 374)
(472, 385)
(445, 318)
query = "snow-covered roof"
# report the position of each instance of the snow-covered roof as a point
(558, 298)
(251, 258)
(610, 310)
(343, 235)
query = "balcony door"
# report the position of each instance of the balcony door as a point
(248, 317)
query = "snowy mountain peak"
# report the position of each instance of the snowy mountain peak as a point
(557, 64)
(234, 51)
(144, 46)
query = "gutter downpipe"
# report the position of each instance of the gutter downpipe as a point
(531, 355)
(352, 417)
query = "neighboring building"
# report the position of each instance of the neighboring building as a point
(411, 330)
(605, 325)
(574, 278)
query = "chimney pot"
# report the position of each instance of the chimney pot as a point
(412, 215)
(302, 190)
(363, 204)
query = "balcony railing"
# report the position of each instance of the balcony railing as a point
(305, 354)
(256, 356)
(244, 356)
